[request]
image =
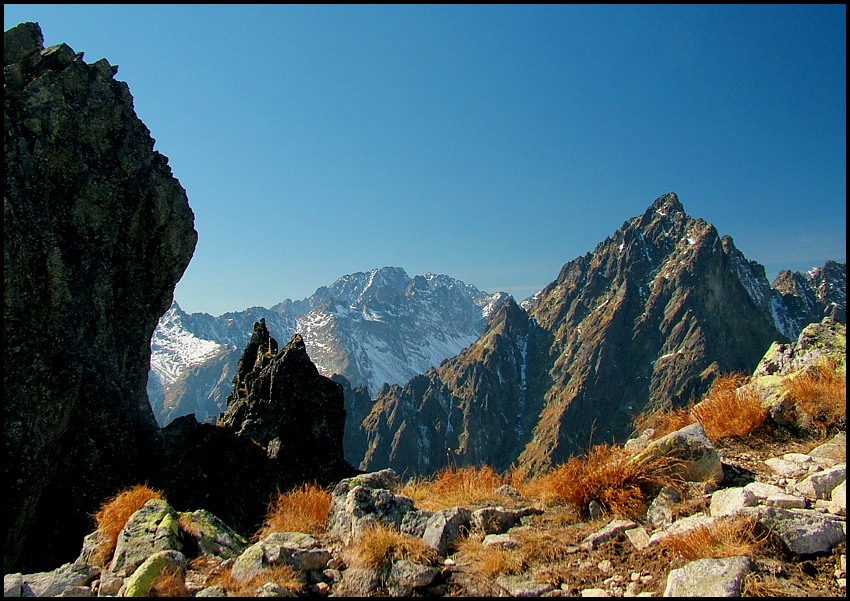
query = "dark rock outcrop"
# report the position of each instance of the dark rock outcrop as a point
(96, 233)
(280, 401)
(283, 427)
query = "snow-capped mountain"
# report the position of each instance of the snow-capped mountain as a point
(371, 327)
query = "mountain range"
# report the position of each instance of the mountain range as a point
(437, 372)
(646, 321)
(372, 328)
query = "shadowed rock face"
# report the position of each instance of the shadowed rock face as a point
(96, 233)
(281, 401)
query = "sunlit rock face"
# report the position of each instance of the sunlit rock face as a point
(96, 233)
(646, 320)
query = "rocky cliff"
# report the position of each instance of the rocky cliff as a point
(96, 233)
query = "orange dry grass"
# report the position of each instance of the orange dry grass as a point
(490, 561)
(113, 515)
(170, 584)
(663, 421)
(303, 509)
(281, 574)
(379, 547)
(821, 392)
(726, 411)
(606, 475)
(727, 538)
(453, 486)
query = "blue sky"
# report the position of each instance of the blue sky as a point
(489, 143)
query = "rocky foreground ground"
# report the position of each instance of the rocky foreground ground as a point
(756, 515)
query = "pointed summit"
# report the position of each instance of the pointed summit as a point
(667, 204)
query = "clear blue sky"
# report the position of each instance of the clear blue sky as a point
(489, 143)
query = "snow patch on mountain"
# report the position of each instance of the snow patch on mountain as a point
(174, 349)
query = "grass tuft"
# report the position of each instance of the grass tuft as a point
(170, 583)
(663, 421)
(490, 561)
(281, 574)
(303, 509)
(378, 547)
(606, 475)
(726, 538)
(821, 393)
(726, 411)
(454, 486)
(113, 515)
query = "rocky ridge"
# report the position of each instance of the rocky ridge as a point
(648, 319)
(796, 500)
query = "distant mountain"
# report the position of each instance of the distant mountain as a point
(370, 327)
(648, 319)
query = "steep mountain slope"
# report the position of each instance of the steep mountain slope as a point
(648, 319)
(375, 327)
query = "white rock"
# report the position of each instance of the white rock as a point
(729, 501)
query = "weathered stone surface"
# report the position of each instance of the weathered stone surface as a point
(639, 537)
(53, 583)
(709, 578)
(659, 514)
(405, 576)
(415, 522)
(365, 501)
(444, 528)
(834, 449)
(211, 535)
(523, 586)
(296, 549)
(494, 520)
(839, 495)
(607, 532)
(212, 591)
(701, 461)
(820, 484)
(96, 233)
(12, 584)
(823, 339)
(683, 525)
(152, 528)
(729, 501)
(802, 531)
(358, 582)
(143, 578)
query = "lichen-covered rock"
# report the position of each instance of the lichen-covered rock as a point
(365, 501)
(211, 535)
(295, 549)
(145, 576)
(802, 531)
(96, 233)
(56, 582)
(152, 528)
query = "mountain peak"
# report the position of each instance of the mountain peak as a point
(667, 204)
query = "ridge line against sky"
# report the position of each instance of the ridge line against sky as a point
(490, 143)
